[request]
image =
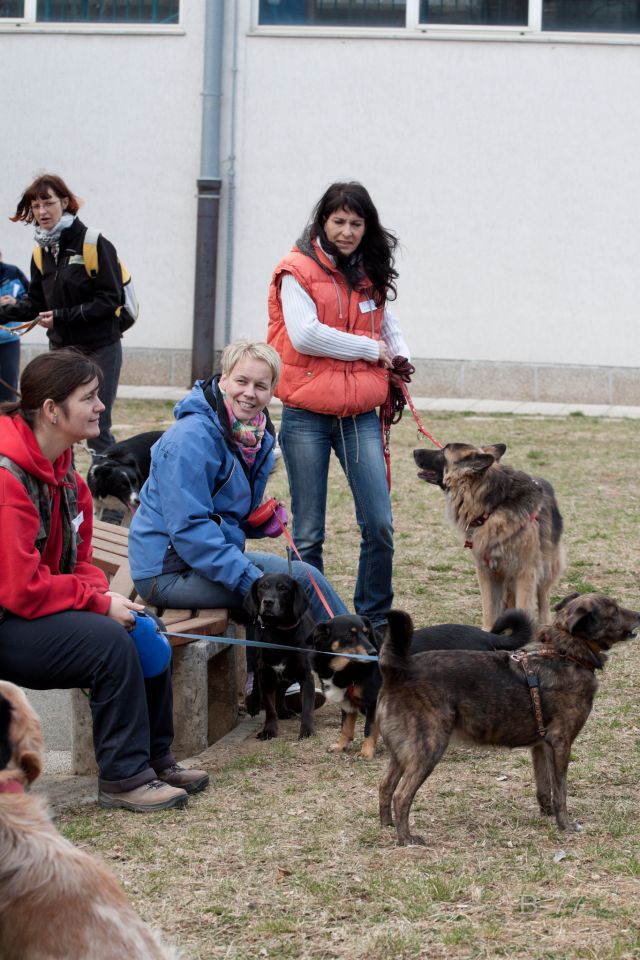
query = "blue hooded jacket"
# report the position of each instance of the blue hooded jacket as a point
(194, 506)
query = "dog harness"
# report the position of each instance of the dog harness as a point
(522, 657)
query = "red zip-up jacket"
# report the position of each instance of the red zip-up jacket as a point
(31, 584)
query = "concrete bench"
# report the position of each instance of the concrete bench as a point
(205, 673)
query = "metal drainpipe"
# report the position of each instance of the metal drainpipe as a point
(231, 184)
(209, 186)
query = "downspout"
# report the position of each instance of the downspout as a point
(209, 186)
(231, 185)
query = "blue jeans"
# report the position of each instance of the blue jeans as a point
(191, 591)
(307, 440)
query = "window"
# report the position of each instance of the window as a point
(576, 16)
(599, 16)
(11, 8)
(495, 13)
(92, 11)
(334, 13)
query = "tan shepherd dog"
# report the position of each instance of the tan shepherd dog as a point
(486, 698)
(509, 520)
(56, 901)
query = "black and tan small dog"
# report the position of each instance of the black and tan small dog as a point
(486, 698)
(116, 477)
(354, 684)
(279, 608)
(509, 520)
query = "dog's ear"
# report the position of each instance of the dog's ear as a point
(251, 602)
(476, 463)
(371, 633)
(31, 764)
(497, 450)
(300, 600)
(561, 604)
(320, 632)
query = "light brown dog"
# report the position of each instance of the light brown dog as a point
(509, 520)
(56, 902)
(485, 698)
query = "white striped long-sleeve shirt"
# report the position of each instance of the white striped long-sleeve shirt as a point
(308, 335)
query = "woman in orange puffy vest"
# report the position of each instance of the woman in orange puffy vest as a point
(330, 323)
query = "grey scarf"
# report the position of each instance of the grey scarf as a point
(50, 239)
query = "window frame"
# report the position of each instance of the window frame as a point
(531, 32)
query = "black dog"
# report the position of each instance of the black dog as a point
(354, 684)
(279, 608)
(121, 471)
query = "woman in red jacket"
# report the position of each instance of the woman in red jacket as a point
(330, 323)
(60, 625)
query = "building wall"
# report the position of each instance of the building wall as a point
(118, 115)
(506, 168)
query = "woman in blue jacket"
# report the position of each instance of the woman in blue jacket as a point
(208, 474)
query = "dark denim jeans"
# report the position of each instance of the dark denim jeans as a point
(307, 440)
(132, 717)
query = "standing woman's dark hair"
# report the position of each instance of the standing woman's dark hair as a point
(51, 376)
(40, 189)
(375, 255)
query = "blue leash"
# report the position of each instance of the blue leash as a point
(269, 646)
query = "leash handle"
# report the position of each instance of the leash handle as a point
(21, 328)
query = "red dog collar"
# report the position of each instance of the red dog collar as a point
(11, 786)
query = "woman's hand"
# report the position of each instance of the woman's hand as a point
(45, 319)
(383, 355)
(121, 609)
(7, 300)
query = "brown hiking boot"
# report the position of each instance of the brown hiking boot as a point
(152, 796)
(190, 780)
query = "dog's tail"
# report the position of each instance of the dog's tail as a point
(395, 652)
(513, 629)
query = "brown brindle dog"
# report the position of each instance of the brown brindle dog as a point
(485, 698)
(509, 520)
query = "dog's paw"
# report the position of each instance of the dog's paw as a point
(266, 734)
(337, 747)
(305, 732)
(413, 840)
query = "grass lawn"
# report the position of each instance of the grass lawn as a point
(283, 856)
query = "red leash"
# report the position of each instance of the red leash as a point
(260, 516)
(306, 567)
(392, 409)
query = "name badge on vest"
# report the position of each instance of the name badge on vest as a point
(75, 523)
(366, 306)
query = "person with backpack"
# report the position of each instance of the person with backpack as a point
(13, 286)
(80, 304)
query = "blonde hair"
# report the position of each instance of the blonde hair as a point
(239, 350)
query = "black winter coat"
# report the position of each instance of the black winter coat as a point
(84, 307)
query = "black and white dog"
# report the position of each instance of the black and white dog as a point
(116, 477)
